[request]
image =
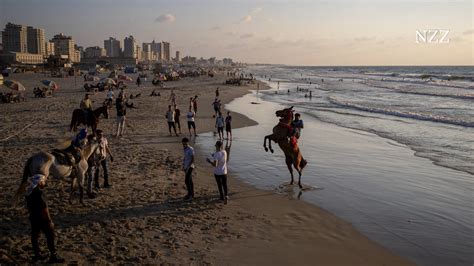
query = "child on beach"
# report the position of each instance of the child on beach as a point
(121, 113)
(220, 125)
(173, 99)
(191, 115)
(195, 106)
(188, 167)
(228, 126)
(217, 106)
(219, 161)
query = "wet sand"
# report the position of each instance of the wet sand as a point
(142, 218)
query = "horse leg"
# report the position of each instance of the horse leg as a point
(265, 143)
(73, 181)
(81, 171)
(289, 163)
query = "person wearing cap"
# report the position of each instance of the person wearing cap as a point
(188, 167)
(219, 162)
(104, 151)
(40, 219)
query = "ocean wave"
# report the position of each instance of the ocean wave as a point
(469, 96)
(412, 115)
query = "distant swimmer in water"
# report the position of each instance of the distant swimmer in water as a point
(288, 91)
(310, 94)
(306, 95)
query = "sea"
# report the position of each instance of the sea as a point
(389, 149)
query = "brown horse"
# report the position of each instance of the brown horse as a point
(281, 133)
(92, 121)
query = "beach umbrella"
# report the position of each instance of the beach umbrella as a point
(108, 81)
(50, 84)
(14, 85)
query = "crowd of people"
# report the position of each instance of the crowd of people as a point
(99, 162)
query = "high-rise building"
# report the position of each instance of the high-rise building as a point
(129, 47)
(157, 49)
(112, 47)
(64, 45)
(146, 51)
(138, 52)
(49, 49)
(35, 40)
(177, 58)
(166, 55)
(94, 52)
(14, 38)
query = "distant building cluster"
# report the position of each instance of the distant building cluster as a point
(27, 45)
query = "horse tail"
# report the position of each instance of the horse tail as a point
(26, 174)
(303, 163)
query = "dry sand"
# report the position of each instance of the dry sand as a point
(142, 218)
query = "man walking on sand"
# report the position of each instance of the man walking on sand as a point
(219, 161)
(220, 125)
(40, 219)
(188, 167)
(177, 114)
(195, 105)
(170, 118)
(121, 113)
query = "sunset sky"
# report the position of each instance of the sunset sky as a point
(336, 32)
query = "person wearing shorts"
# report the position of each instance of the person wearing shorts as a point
(191, 124)
(170, 118)
(220, 125)
(228, 126)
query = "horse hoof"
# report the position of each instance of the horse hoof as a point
(271, 150)
(301, 187)
(266, 149)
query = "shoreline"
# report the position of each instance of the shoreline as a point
(142, 219)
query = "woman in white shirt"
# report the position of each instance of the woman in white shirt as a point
(219, 161)
(191, 123)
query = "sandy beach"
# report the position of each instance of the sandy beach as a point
(142, 219)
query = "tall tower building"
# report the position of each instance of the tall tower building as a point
(178, 58)
(35, 41)
(129, 47)
(14, 38)
(157, 48)
(64, 45)
(166, 56)
(112, 47)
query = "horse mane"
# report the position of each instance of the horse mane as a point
(90, 147)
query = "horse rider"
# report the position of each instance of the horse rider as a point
(74, 149)
(297, 125)
(86, 106)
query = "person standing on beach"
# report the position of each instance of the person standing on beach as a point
(217, 106)
(188, 167)
(104, 151)
(195, 105)
(219, 162)
(139, 81)
(220, 125)
(191, 115)
(40, 219)
(86, 106)
(121, 113)
(217, 92)
(173, 99)
(177, 114)
(228, 126)
(170, 118)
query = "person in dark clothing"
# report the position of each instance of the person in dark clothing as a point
(188, 167)
(40, 219)
(177, 114)
(121, 113)
(217, 92)
(139, 81)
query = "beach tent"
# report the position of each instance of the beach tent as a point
(14, 85)
(51, 84)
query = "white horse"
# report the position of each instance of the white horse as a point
(46, 163)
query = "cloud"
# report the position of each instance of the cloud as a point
(257, 10)
(246, 36)
(364, 39)
(165, 18)
(468, 32)
(246, 19)
(215, 28)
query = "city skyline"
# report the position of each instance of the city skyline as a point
(361, 32)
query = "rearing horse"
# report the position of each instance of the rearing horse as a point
(92, 121)
(281, 133)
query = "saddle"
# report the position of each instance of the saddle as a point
(69, 156)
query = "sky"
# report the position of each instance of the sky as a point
(299, 32)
